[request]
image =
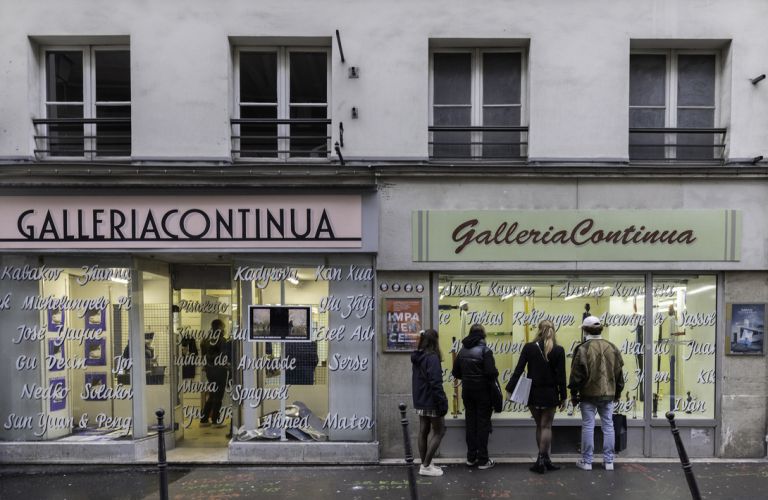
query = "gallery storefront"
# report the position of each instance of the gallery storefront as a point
(87, 281)
(668, 285)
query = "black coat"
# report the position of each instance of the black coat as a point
(474, 365)
(427, 382)
(548, 387)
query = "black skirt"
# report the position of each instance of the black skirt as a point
(543, 397)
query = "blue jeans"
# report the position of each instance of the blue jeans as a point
(588, 410)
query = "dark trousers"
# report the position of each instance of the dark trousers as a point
(477, 409)
(217, 374)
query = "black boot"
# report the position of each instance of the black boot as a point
(549, 465)
(539, 466)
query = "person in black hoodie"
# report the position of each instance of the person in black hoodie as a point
(429, 399)
(476, 369)
(546, 369)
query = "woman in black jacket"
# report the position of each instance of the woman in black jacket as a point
(429, 399)
(546, 369)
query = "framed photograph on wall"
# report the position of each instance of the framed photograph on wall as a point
(94, 383)
(58, 399)
(95, 352)
(402, 324)
(96, 319)
(746, 329)
(56, 360)
(280, 323)
(56, 319)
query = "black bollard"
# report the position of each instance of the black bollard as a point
(687, 468)
(162, 465)
(408, 453)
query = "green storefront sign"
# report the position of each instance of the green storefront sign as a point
(576, 235)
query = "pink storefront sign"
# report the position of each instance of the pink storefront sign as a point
(227, 223)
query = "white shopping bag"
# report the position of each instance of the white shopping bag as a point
(522, 391)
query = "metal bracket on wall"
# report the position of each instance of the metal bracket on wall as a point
(341, 49)
(338, 153)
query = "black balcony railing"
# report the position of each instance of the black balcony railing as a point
(478, 143)
(89, 138)
(281, 138)
(677, 144)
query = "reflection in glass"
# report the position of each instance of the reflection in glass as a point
(684, 321)
(510, 308)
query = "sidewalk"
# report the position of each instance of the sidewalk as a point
(630, 481)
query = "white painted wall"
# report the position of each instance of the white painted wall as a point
(579, 59)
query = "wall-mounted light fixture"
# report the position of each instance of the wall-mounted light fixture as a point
(758, 79)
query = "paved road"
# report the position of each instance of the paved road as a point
(630, 481)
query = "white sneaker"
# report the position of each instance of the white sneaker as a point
(608, 465)
(581, 464)
(430, 470)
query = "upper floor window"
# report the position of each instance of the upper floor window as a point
(87, 103)
(282, 103)
(673, 109)
(477, 104)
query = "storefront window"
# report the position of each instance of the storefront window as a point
(684, 341)
(157, 343)
(511, 307)
(304, 373)
(315, 390)
(67, 330)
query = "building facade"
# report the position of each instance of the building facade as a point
(170, 173)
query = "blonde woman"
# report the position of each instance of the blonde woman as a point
(545, 362)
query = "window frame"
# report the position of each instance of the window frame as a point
(476, 91)
(671, 97)
(283, 104)
(89, 103)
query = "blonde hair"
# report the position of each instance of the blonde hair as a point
(547, 336)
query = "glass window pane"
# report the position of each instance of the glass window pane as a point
(65, 139)
(501, 78)
(642, 146)
(309, 139)
(114, 139)
(203, 331)
(64, 75)
(158, 335)
(501, 144)
(452, 78)
(95, 370)
(307, 376)
(256, 139)
(113, 75)
(695, 80)
(647, 80)
(309, 77)
(696, 146)
(684, 323)
(451, 144)
(510, 308)
(258, 77)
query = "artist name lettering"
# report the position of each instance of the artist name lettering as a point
(582, 233)
(352, 422)
(29, 273)
(348, 363)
